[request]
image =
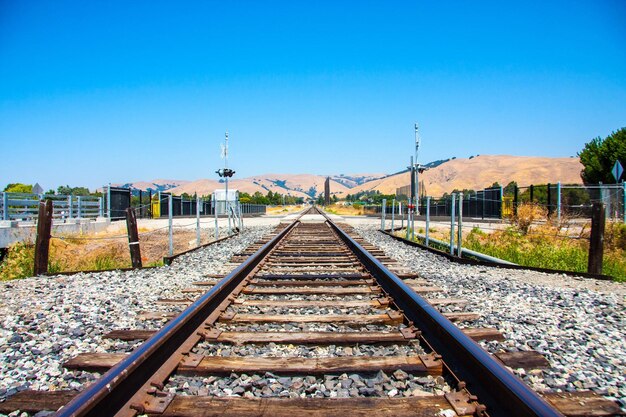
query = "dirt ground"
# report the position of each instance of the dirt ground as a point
(284, 209)
(104, 252)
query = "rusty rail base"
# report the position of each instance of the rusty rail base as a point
(500, 390)
(167, 260)
(116, 388)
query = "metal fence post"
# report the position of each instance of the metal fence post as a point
(160, 204)
(70, 209)
(558, 202)
(501, 203)
(169, 216)
(460, 227)
(549, 200)
(408, 221)
(197, 221)
(382, 216)
(427, 220)
(624, 201)
(452, 214)
(483, 204)
(240, 216)
(214, 203)
(412, 223)
(393, 214)
(109, 201)
(5, 206)
(80, 208)
(401, 213)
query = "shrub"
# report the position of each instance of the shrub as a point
(615, 235)
(527, 213)
(18, 262)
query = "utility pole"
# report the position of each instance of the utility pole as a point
(225, 168)
(416, 171)
(225, 173)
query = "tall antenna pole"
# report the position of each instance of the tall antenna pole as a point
(225, 169)
(417, 184)
(224, 173)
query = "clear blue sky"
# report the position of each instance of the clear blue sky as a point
(93, 92)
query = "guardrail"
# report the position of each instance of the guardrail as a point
(24, 206)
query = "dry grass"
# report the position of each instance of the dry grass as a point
(284, 209)
(98, 252)
(527, 214)
(533, 240)
(341, 210)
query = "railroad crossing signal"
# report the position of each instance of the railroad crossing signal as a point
(617, 170)
(225, 172)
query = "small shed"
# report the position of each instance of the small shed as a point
(220, 199)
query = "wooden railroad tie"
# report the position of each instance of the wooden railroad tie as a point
(585, 403)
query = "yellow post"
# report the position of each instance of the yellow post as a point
(156, 209)
(507, 207)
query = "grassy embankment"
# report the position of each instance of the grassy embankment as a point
(543, 245)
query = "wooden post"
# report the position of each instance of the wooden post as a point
(515, 200)
(532, 191)
(42, 242)
(133, 237)
(596, 243)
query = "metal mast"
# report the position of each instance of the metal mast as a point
(225, 151)
(226, 173)
(417, 168)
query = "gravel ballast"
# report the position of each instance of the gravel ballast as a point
(577, 323)
(45, 321)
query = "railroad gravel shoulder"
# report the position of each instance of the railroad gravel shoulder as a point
(45, 321)
(577, 323)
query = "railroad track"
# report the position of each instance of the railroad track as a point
(346, 335)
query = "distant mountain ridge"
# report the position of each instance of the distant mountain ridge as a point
(154, 185)
(478, 172)
(444, 175)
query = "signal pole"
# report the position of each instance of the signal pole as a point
(416, 171)
(226, 173)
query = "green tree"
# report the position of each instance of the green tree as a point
(80, 191)
(599, 155)
(18, 188)
(67, 190)
(510, 188)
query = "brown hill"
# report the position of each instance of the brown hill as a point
(482, 171)
(298, 185)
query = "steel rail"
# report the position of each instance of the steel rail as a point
(500, 390)
(108, 395)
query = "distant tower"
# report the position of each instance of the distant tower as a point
(327, 191)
